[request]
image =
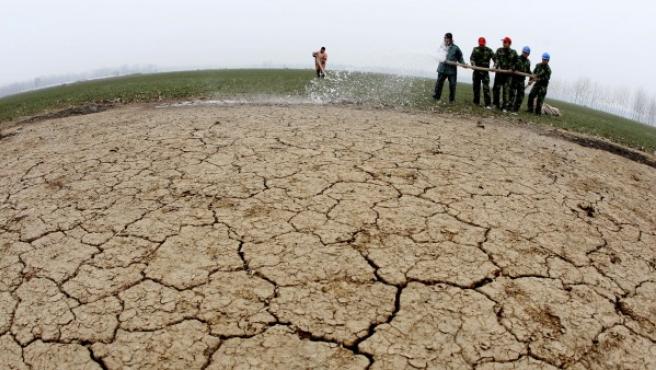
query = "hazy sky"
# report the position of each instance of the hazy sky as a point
(596, 39)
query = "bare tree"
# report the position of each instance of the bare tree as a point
(598, 100)
(651, 115)
(582, 90)
(621, 99)
(640, 101)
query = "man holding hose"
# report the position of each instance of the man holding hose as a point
(505, 58)
(518, 82)
(448, 71)
(541, 77)
(480, 57)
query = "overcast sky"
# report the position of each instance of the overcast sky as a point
(596, 39)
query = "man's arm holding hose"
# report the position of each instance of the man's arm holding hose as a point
(495, 70)
(461, 60)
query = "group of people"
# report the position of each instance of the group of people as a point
(511, 71)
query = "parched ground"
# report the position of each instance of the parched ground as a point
(320, 237)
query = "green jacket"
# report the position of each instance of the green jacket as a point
(453, 54)
(542, 72)
(481, 56)
(505, 58)
(522, 65)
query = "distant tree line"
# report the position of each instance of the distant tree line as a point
(635, 104)
(42, 82)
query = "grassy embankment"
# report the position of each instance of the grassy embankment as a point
(372, 89)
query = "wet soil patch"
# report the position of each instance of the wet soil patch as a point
(595, 143)
(69, 112)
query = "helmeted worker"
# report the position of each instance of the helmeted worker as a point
(518, 83)
(542, 75)
(504, 58)
(480, 57)
(448, 71)
(320, 61)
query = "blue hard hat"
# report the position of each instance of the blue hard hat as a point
(546, 56)
(526, 50)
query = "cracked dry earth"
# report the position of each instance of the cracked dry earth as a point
(320, 237)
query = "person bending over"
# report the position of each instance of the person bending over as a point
(320, 60)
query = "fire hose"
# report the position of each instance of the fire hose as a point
(495, 70)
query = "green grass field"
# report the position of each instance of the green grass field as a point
(364, 88)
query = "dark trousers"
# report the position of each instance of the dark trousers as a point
(439, 85)
(516, 95)
(536, 99)
(320, 74)
(482, 78)
(501, 86)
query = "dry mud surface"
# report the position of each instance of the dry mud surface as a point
(320, 237)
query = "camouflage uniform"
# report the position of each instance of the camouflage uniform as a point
(518, 83)
(448, 71)
(480, 57)
(505, 59)
(542, 73)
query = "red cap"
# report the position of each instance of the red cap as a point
(481, 41)
(507, 39)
